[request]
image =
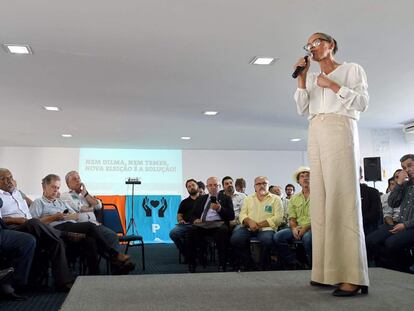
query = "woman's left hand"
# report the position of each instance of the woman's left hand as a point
(323, 81)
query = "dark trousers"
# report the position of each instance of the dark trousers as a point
(18, 248)
(386, 248)
(195, 239)
(48, 239)
(91, 230)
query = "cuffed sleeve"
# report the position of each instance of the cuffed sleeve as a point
(355, 96)
(301, 97)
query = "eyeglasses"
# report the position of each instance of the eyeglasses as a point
(314, 44)
(261, 184)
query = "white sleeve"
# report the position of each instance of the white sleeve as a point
(36, 209)
(302, 101)
(355, 96)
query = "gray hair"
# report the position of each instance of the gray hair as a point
(67, 176)
(49, 178)
(406, 157)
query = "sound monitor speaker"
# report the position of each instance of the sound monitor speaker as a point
(372, 169)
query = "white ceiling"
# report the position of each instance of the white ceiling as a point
(139, 74)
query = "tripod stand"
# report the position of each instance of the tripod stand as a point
(131, 224)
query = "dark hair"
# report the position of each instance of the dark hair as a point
(290, 185)
(390, 180)
(225, 178)
(406, 157)
(201, 185)
(49, 178)
(270, 187)
(240, 182)
(190, 180)
(329, 39)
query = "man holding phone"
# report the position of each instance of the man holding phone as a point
(211, 216)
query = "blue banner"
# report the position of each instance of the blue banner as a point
(154, 215)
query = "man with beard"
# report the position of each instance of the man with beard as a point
(178, 233)
(236, 197)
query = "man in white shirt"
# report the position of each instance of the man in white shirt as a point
(16, 215)
(84, 203)
(236, 197)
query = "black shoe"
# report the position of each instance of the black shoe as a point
(13, 296)
(344, 293)
(122, 269)
(6, 274)
(317, 284)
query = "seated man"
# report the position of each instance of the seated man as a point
(84, 203)
(371, 207)
(53, 210)
(260, 216)
(300, 223)
(16, 215)
(211, 216)
(178, 233)
(386, 245)
(390, 214)
(237, 198)
(289, 191)
(277, 190)
(18, 249)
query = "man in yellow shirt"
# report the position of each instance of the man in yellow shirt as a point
(260, 215)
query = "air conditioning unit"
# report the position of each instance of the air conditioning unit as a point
(408, 129)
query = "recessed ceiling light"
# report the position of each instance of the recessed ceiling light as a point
(295, 139)
(18, 49)
(67, 135)
(51, 108)
(263, 60)
(210, 113)
(185, 137)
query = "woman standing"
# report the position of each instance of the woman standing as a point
(333, 100)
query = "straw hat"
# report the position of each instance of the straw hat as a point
(301, 169)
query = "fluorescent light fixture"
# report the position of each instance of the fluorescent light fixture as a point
(66, 135)
(257, 60)
(295, 139)
(185, 137)
(210, 113)
(17, 49)
(51, 108)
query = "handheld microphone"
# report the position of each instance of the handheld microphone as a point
(299, 69)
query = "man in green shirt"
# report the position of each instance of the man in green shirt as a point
(299, 223)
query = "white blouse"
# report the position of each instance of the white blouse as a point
(351, 99)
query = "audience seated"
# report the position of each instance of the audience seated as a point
(289, 191)
(185, 210)
(237, 198)
(17, 248)
(52, 210)
(201, 188)
(390, 214)
(240, 185)
(387, 244)
(16, 215)
(84, 203)
(371, 207)
(300, 223)
(277, 190)
(211, 216)
(260, 216)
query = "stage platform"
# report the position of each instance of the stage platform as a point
(273, 290)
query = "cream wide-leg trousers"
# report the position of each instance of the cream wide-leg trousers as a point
(338, 241)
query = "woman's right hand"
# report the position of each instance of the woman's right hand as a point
(302, 63)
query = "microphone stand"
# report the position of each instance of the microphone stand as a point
(132, 224)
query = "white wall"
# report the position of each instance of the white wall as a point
(390, 145)
(29, 165)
